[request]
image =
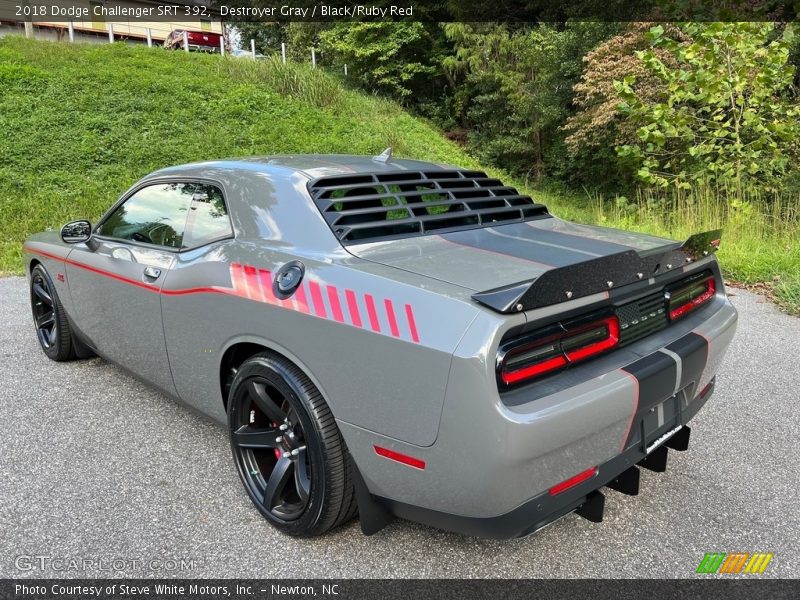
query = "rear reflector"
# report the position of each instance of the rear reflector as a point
(399, 457)
(573, 481)
(704, 392)
(553, 352)
(685, 299)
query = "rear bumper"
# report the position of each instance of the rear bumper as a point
(489, 471)
(620, 473)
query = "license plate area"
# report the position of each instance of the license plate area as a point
(661, 421)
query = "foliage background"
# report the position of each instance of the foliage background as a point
(598, 120)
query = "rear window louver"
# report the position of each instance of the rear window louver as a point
(378, 206)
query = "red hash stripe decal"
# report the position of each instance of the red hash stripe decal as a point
(412, 325)
(256, 284)
(352, 307)
(373, 314)
(392, 319)
(316, 298)
(336, 307)
(237, 279)
(300, 298)
(267, 294)
(251, 283)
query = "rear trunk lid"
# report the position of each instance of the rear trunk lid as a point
(492, 257)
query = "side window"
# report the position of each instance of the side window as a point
(208, 217)
(156, 214)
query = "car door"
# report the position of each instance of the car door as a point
(115, 279)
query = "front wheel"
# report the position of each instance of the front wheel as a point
(49, 317)
(288, 450)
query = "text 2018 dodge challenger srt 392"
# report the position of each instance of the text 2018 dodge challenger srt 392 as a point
(394, 337)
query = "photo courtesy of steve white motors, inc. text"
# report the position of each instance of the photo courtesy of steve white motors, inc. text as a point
(195, 590)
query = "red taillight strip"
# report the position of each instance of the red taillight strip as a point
(538, 369)
(565, 357)
(711, 289)
(400, 457)
(612, 323)
(573, 481)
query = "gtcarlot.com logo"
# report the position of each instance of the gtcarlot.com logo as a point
(735, 562)
(43, 562)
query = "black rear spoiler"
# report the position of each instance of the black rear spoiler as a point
(598, 275)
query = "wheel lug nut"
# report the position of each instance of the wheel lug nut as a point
(283, 427)
(286, 454)
(279, 439)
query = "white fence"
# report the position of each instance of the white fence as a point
(69, 33)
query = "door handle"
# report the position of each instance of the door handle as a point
(152, 272)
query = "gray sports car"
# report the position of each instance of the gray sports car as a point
(394, 337)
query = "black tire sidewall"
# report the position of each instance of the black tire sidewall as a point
(280, 377)
(62, 349)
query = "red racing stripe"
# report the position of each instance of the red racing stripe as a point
(336, 307)
(316, 297)
(373, 314)
(139, 284)
(392, 319)
(352, 307)
(412, 324)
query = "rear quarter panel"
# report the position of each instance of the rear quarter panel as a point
(377, 342)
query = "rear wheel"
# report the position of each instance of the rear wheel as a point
(288, 450)
(49, 317)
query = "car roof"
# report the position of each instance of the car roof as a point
(312, 166)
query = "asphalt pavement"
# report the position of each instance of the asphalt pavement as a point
(102, 476)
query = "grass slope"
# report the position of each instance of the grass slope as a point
(81, 123)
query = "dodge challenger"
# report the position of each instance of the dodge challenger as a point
(394, 338)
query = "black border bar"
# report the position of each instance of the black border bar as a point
(510, 11)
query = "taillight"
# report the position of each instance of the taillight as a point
(688, 297)
(553, 352)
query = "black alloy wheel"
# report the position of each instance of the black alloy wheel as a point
(50, 319)
(287, 448)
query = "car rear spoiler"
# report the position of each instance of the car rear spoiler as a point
(598, 275)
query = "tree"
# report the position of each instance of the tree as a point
(391, 58)
(597, 124)
(728, 115)
(514, 88)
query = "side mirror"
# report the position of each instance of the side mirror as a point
(76, 232)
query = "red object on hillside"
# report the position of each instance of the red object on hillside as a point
(198, 41)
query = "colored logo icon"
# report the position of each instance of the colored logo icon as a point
(736, 562)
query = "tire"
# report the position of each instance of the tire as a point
(49, 318)
(287, 448)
